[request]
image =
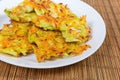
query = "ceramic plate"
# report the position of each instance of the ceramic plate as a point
(78, 7)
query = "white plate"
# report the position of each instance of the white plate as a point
(80, 8)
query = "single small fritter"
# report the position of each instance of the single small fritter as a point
(51, 16)
(51, 44)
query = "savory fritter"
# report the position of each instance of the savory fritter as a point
(51, 16)
(23, 38)
(14, 40)
(48, 29)
(48, 44)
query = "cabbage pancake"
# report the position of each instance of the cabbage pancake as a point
(51, 44)
(51, 16)
(14, 40)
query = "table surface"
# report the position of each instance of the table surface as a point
(104, 65)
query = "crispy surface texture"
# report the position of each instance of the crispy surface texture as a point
(47, 29)
(51, 16)
(23, 38)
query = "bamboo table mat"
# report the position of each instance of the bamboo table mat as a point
(103, 65)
